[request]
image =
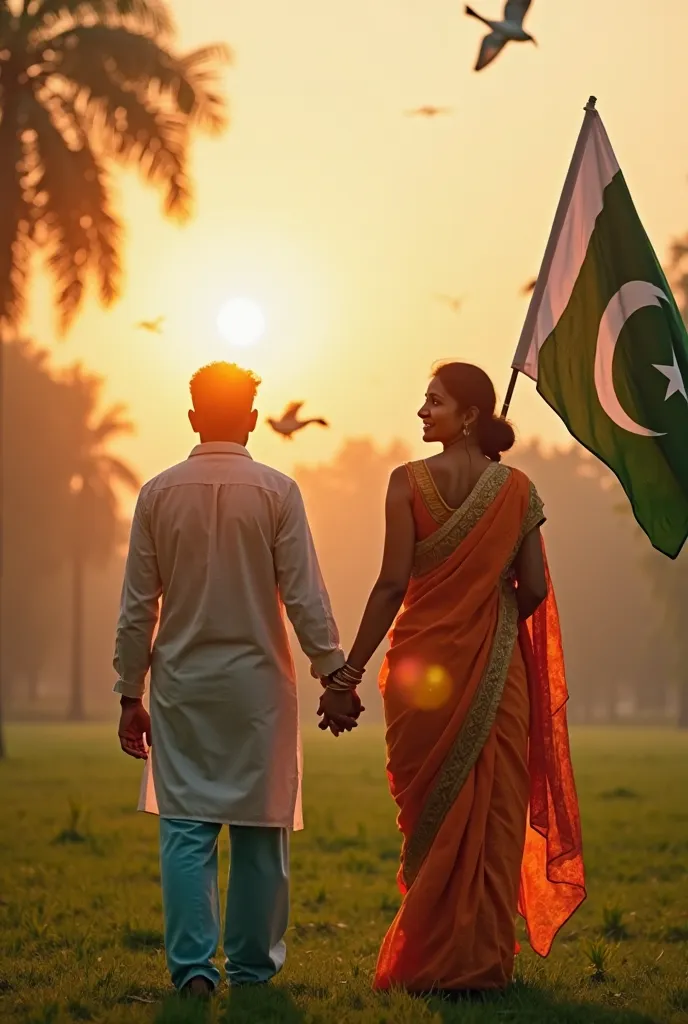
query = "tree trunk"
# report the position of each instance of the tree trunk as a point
(683, 703)
(2, 518)
(77, 712)
(11, 149)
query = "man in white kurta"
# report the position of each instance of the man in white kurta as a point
(225, 542)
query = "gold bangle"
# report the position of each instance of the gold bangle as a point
(340, 688)
(342, 677)
(348, 672)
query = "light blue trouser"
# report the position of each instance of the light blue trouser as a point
(257, 900)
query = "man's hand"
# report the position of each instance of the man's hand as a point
(339, 711)
(134, 724)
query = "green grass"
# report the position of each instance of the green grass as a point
(80, 911)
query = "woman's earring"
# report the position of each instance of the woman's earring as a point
(465, 430)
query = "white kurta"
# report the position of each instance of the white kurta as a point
(225, 541)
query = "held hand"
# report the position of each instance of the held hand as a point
(339, 711)
(134, 724)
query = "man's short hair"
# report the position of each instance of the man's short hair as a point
(223, 392)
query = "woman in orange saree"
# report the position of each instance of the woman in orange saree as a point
(474, 696)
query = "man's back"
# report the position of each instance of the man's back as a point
(214, 522)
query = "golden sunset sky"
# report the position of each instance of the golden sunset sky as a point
(341, 217)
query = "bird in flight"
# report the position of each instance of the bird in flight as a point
(429, 111)
(501, 32)
(289, 422)
(530, 287)
(152, 326)
(454, 302)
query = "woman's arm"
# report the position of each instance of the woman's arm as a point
(389, 591)
(529, 568)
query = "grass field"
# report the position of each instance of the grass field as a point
(80, 911)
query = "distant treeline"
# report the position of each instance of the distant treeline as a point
(620, 603)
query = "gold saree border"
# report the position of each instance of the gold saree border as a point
(534, 516)
(470, 741)
(432, 499)
(430, 552)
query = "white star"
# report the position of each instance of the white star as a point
(673, 374)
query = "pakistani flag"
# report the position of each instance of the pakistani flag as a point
(606, 343)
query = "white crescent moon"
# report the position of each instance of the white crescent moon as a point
(631, 297)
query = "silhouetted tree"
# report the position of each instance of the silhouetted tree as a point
(96, 526)
(59, 438)
(86, 83)
(35, 477)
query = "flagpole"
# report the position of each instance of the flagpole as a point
(559, 218)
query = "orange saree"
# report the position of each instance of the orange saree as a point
(477, 749)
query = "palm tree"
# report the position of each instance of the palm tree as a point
(85, 84)
(96, 526)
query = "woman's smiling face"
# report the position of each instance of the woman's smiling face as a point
(440, 413)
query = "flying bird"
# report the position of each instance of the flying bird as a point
(454, 302)
(288, 425)
(429, 111)
(152, 326)
(501, 32)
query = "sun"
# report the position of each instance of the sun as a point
(241, 322)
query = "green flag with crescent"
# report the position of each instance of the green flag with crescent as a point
(605, 341)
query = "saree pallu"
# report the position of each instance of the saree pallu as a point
(477, 749)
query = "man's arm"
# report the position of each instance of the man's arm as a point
(139, 608)
(302, 588)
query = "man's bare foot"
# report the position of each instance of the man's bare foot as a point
(199, 987)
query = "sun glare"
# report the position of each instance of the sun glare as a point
(241, 322)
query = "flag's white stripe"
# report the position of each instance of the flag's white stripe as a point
(598, 167)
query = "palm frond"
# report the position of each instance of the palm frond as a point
(73, 209)
(152, 16)
(84, 389)
(187, 83)
(15, 226)
(116, 470)
(209, 107)
(132, 130)
(112, 424)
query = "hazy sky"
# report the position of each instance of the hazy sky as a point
(342, 217)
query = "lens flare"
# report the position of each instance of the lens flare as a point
(422, 686)
(435, 689)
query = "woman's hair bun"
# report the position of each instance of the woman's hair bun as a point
(495, 435)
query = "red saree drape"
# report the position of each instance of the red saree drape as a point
(477, 745)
